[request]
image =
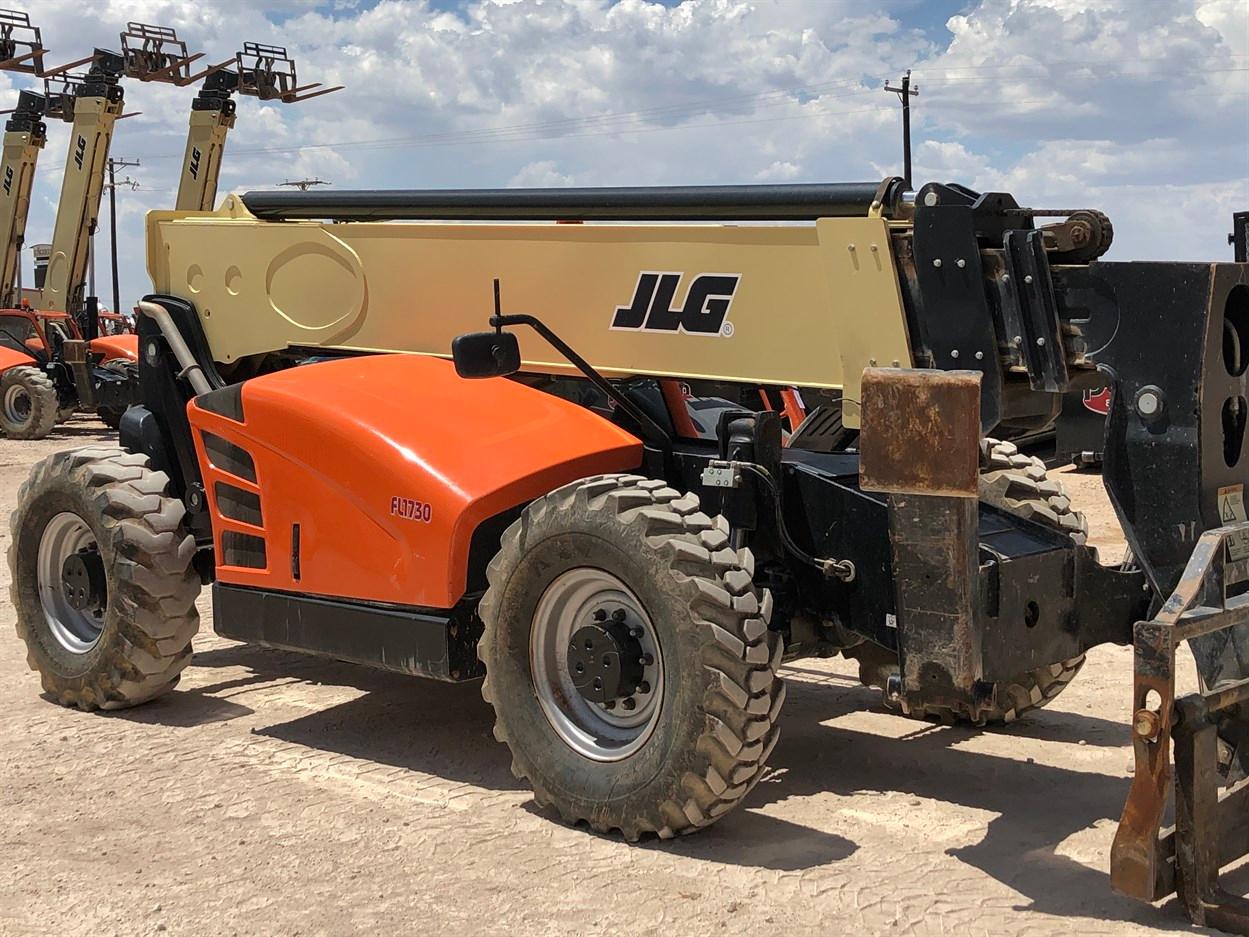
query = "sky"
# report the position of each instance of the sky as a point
(1137, 107)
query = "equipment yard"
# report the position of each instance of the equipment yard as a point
(277, 794)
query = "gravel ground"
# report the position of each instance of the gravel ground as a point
(272, 794)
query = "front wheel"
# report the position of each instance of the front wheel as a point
(102, 579)
(28, 403)
(628, 658)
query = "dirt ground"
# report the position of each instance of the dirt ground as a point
(272, 794)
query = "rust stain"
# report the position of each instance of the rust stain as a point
(920, 432)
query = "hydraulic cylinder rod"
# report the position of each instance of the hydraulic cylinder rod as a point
(805, 202)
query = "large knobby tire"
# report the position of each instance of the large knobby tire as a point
(717, 694)
(1019, 484)
(28, 403)
(111, 416)
(129, 638)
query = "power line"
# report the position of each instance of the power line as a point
(113, 165)
(304, 184)
(619, 122)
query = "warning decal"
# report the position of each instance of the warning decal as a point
(1232, 511)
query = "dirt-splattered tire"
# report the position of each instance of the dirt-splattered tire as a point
(1019, 483)
(102, 578)
(701, 622)
(111, 416)
(28, 403)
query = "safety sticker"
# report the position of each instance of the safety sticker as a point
(1232, 511)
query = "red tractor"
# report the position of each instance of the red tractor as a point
(48, 370)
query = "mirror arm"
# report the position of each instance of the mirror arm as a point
(650, 429)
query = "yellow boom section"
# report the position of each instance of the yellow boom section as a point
(814, 304)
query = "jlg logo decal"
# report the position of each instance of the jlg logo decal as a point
(411, 510)
(704, 312)
(8, 180)
(195, 158)
(80, 151)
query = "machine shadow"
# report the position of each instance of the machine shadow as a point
(88, 431)
(1037, 806)
(442, 729)
(445, 730)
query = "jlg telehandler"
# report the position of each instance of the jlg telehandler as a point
(53, 359)
(64, 355)
(683, 451)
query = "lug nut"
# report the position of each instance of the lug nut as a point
(610, 704)
(618, 615)
(635, 633)
(644, 687)
(630, 703)
(646, 660)
(600, 615)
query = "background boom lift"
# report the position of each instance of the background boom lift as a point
(261, 71)
(25, 134)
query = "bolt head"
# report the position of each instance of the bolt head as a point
(600, 615)
(1149, 402)
(630, 703)
(1146, 724)
(644, 687)
(936, 261)
(960, 263)
(930, 199)
(954, 353)
(618, 615)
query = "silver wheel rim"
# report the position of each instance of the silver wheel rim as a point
(76, 631)
(589, 728)
(17, 404)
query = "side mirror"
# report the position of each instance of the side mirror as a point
(485, 354)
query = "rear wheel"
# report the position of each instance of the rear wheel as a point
(102, 579)
(111, 416)
(28, 403)
(628, 658)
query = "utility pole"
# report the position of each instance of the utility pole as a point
(304, 184)
(905, 93)
(113, 165)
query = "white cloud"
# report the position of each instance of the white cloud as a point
(542, 174)
(779, 171)
(1132, 107)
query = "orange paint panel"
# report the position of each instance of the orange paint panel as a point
(11, 358)
(112, 347)
(388, 464)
